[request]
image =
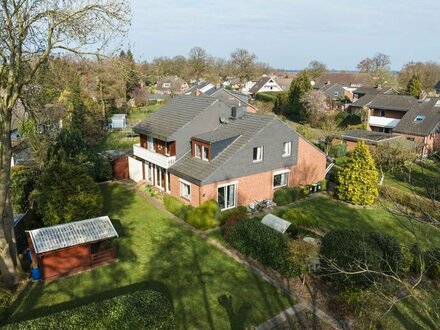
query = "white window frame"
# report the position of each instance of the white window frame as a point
(183, 182)
(289, 143)
(203, 153)
(197, 147)
(280, 172)
(235, 184)
(150, 143)
(260, 159)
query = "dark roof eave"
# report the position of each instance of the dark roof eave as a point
(185, 176)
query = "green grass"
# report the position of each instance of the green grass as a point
(333, 215)
(156, 252)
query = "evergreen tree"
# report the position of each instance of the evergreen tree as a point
(414, 86)
(298, 88)
(358, 180)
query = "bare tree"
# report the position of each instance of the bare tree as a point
(30, 31)
(244, 63)
(378, 67)
(316, 69)
(199, 61)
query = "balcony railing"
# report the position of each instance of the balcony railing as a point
(153, 157)
(383, 121)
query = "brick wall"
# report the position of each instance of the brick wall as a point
(311, 164)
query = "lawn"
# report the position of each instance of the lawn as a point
(156, 252)
(334, 214)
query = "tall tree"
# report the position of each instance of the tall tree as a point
(358, 180)
(428, 73)
(29, 32)
(298, 88)
(243, 63)
(315, 107)
(316, 69)
(198, 61)
(378, 67)
(414, 86)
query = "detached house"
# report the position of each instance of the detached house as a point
(199, 148)
(265, 84)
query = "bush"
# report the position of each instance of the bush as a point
(266, 97)
(139, 310)
(230, 223)
(204, 216)
(176, 207)
(347, 248)
(300, 218)
(102, 170)
(264, 244)
(240, 210)
(432, 264)
(300, 255)
(338, 150)
(324, 185)
(23, 181)
(285, 196)
(407, 259)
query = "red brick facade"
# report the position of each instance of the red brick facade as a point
(310, 169)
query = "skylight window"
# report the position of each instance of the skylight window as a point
(419, 118)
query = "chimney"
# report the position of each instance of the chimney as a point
(422, 95)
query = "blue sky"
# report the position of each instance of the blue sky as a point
(289, 33)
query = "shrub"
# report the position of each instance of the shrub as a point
(262, 243)
(432, 264)
(338, 150)
(204, 216)
(407, 259)
(300, 218)
(240, 210)
(304, 191)
(348, 248)
(286, 196)
(324, 185)
(23, 181)
(176, 207)
(266, 97)
(102, 170)
(300, 255)
(139, 310)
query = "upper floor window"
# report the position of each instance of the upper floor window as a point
(382, 113)
(198, 151)
(150, 143)
(287, 149)
(257, 154)
(205, 153)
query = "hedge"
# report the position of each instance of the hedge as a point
(139, 310)
(176, 207)
(300, 218)
(285, 196)
(266, 97)
(264, 244)
(205, 216)
(240, 210)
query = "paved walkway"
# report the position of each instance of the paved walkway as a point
(276, 320)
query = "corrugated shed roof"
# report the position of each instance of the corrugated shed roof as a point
(199, 171)
(429, 124)
(173, 116)
(71, 234)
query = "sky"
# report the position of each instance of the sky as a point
(288, 34)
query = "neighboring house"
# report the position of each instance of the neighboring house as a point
(384, 111)
(284, 82)
(362, 91)
(265, 84)
(247, 86)
(421, 124)
(349, 80)
(199, 88)
(338, 96)
(351, 138)
(118, 120)
(199, 148)
(171, 85)
(20, 154)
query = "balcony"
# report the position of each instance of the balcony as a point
(153, 157)
(383, 122)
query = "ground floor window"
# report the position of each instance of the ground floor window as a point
(280, 179)
(160, 177)
(226, 196)
(185, 189)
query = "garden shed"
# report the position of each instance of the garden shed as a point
(72, 247)
(119, 120)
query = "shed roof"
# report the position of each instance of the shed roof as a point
(71, 234)
(369, 136)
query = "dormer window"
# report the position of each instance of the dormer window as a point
(198, 151)
(205, 153)
(419, 118)
(257, 154)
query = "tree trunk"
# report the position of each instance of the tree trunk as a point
(8, 250)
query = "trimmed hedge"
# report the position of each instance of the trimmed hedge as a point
(240, 210)
(139, 310)
(176, 207)
(264, 244)
(285, 196)
(266, 97)
(347, 248)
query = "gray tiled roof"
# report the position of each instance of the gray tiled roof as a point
(260, 83)
(386, 102)
(198, 171)
(218, 135)
(425, 127)
(173, 116)
(363, 101)
(374, 90)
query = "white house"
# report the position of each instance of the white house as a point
(265, 84)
